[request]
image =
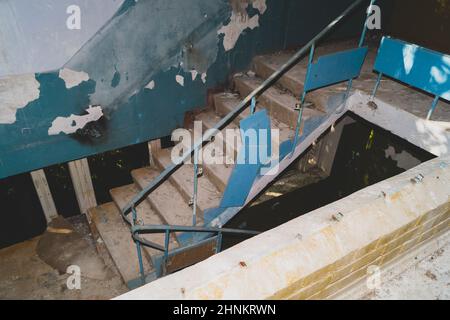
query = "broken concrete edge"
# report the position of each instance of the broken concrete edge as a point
(432, 136)
(315, 256)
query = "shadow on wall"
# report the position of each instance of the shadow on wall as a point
(426, 23)
(21, 214)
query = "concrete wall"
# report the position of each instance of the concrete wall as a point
(34, 36)
(136, 77)
(325, 251)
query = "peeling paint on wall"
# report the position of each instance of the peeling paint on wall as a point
(260, 5)
(194, 74)
(150, 85)
(192, 45)
(146, 43)
(240, 21)
(16, 92)
(73, 123)
(73, 78)
(180, 80)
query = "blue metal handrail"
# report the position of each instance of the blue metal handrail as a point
(168, 229)
(233, 114)
(137, 230)
(208, 137)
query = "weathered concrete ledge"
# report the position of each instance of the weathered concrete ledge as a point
(325, 251)
(432, 136)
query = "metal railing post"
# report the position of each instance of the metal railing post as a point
(360, 44)
(253, 105)
(194, 196)
(302, 101)
(138, 249)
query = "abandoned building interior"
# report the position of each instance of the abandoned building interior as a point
(225, 149)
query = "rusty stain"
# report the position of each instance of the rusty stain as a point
(242, 264)
(372, 105)
(396, 196)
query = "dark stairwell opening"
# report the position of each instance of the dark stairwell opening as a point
(22, 217)
(366, 154)
(112, 169)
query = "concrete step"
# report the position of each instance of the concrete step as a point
(115, 233)
(166, 200)
(209, 120)
(279, 104)
(293, 80)
(208, 196)
(123, 195)
(224, 104)
(219, 173)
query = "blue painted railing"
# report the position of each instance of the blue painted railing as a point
(346, 66)
(416, 66)
(137, 231)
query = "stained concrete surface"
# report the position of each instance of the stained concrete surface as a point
(36, 269)
(427, 279)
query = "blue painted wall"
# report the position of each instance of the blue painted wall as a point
(148, 40)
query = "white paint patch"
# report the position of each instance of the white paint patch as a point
(194, 74)
(260, 5)
(180, 80)
(232, 31)
(73, 78)
(16, 92)
(204, 75)
(151, 85)
(72, 123)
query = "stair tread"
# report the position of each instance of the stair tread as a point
(123, 195)
(166, 199)
(225, 102)
(116, 235)
(228, 102)
(207, 197)
(210, 119)
(218, 174)
(294, 79)
(279, 104)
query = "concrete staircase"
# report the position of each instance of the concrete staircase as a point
(169, 203)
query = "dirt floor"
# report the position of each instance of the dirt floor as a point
(36, 269)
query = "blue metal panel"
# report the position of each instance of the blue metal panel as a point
(335, 68)
(249, 161)
(419, 67)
